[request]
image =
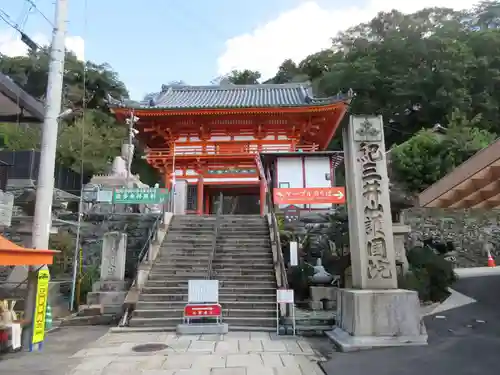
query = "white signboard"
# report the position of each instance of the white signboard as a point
(105, 196)
(201, 291)
(285, 296)
(294, 257)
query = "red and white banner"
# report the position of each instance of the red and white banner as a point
(209, 311)
(334, 195)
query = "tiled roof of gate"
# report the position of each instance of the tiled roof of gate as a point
(230, 96)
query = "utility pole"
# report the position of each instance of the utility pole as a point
(45, 184)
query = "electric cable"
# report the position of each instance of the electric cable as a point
(82, 164)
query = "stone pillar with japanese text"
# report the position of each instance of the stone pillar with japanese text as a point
(372, 245)
(373, 312)
(110, 291)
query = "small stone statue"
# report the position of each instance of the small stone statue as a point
(320, 275)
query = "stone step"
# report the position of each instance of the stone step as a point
(183, 261)
(175, 269)
(237, 264)
(161, 276)
(241, 271)
(239, 289)
(166, 249)
(243, 323)
(243, 284)
(184, 230)
(235, 323)
(223, 297)
(231, 231)
(165, 323)
(223, 283)
(238, 250)
(226, 305)
(174, 258)
(248, 278)
(165, 265)
(243, 240)
(191, 228)
(242, 256)
(190, 238)
(226, 312)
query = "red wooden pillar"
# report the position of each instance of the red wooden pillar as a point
(207, 203)
(166, 179)
(262, 197)
(200, 206)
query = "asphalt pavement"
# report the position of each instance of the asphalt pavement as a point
(55, 358)
(462, 341)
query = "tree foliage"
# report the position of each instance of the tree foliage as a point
(429, 155)
(84, 82)
(416, 70)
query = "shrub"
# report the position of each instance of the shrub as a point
(430, 274)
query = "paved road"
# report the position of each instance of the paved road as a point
(55, 357)
(460, 344)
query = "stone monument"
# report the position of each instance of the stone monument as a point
(374, 312)
(110, 291)
(119, 176)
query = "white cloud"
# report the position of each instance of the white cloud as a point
(306, 29)
(11, 44)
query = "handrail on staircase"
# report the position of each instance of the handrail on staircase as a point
(218, 215)
(143, 256)
(276, 242)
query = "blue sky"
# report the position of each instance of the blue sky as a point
(156, 41)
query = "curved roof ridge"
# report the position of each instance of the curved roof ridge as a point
(263, 86)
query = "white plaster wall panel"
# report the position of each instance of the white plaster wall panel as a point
(316, 169)
(290, 170)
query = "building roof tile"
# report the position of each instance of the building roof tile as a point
(229, 96)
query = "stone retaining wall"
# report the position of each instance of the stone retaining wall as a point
(469, 230)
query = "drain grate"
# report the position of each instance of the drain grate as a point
(148, 348)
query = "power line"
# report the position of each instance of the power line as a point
(24, 37)
(33, 6)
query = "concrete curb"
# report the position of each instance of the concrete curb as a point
(477, 272)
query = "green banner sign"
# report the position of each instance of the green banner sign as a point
(139, 196)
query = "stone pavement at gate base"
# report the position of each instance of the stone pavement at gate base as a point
(236, 353)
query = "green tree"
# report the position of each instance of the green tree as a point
(428, 156)
(240, 77)
(83, 82)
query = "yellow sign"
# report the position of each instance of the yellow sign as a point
(42, 293)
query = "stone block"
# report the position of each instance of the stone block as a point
(89, 310)
(378, 318)
(106, 298)
(202, 329)
(329, 305)
(316, 305)
(110, 286)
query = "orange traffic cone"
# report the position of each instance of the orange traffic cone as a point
(491, 261)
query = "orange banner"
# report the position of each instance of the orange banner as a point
(335, 195)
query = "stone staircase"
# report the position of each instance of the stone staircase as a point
(243, 264)
(184, 255)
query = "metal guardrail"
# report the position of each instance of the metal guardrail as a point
(153, 231)
(218, 216)
(277, 241)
